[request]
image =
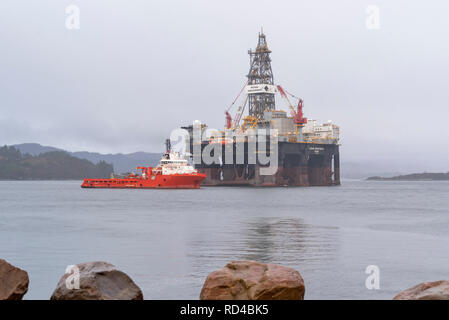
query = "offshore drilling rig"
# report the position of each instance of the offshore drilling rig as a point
(307, 152)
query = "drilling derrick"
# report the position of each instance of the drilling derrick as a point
(260, 87)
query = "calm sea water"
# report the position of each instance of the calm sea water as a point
(168, 241)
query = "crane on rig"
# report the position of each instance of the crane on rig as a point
(228, 120)
(238, 116)
(298, 115)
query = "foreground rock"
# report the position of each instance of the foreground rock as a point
(97, 281)
(438, 290)
(13, 282)
(250, 280)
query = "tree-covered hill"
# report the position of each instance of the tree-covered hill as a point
(55, 165)
(122, 162)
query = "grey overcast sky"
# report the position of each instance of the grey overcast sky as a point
(135, 70)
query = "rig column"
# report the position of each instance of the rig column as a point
(337, 167)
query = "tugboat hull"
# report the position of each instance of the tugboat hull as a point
(175, 181)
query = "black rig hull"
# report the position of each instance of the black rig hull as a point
(299, 164)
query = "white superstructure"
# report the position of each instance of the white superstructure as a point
(327, 131)
(174, 163)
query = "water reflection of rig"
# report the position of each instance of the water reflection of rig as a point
(308, 152)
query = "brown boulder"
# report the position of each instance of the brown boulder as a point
(250, 280)
(97, 281)
(13, 282)
(438, 290)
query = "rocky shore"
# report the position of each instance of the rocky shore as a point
(437, 290)
(238, 280)
(251, 280)
(13, 282)
(96, 281)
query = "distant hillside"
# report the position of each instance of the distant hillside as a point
(53, 165)
(415, 177)
(34, 149)
(362, 170)
(121, 162)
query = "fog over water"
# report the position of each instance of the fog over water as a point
(135, 70)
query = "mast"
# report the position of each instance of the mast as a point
(260, 88)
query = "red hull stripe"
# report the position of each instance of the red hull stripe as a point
(175, 181)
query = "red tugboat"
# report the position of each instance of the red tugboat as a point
(173, 172)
